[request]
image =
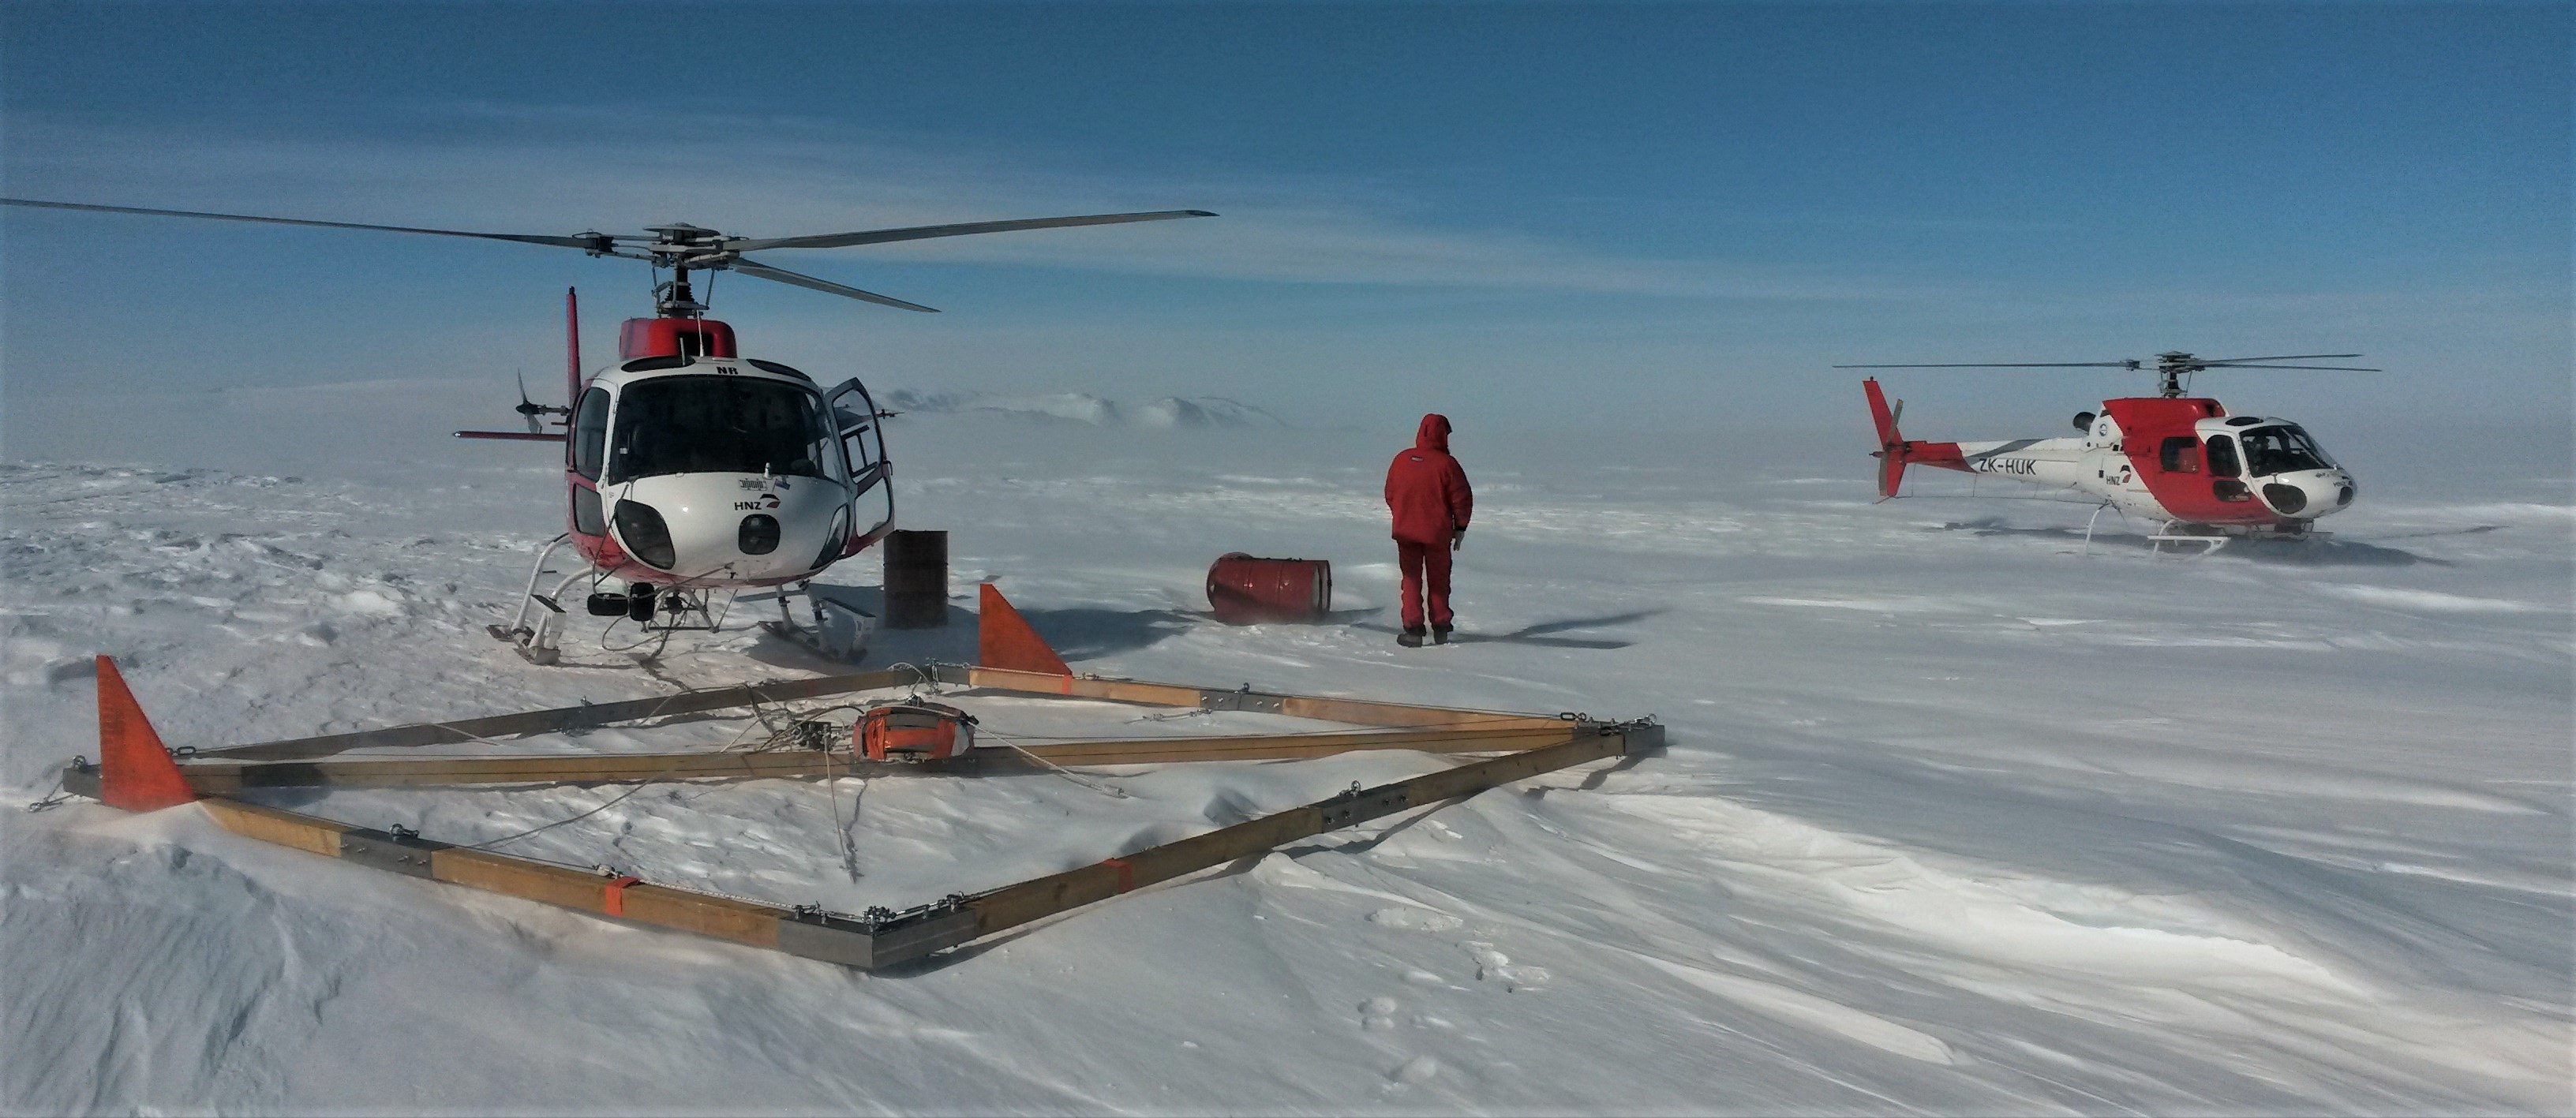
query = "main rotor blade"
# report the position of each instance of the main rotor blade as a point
(2277, 357)
(593, 243)
(2018, 365)
(919, 232)
(2310, 368)
(782, 275)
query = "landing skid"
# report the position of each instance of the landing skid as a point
(2209, 542)
(838, 632)
(2182, 535)
(534, 639)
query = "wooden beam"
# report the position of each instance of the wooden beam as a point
(1013, 905)
(622, 898)
(1358, 712)
(285, 828)
(225, 777)
(1471, 739)
(566, 718)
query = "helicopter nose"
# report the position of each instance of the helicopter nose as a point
(2309, 494)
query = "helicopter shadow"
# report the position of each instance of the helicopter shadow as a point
(2326, 552)
(953, 641)
(1543, 633)
(1084, 632)
(1081, 633)
(1076, 633)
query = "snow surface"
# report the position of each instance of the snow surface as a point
(1954, 819)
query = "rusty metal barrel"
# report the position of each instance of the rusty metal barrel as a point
(916, 580)
(1245, 589)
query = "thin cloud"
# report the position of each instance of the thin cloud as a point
(517, 172)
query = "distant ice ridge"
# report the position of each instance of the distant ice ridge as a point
(1204, 411)
(1081, 407)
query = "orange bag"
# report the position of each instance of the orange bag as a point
(913, 730)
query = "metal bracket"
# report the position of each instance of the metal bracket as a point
(1242, 699)
(406, 854)
(834, 938)
(1359, 805)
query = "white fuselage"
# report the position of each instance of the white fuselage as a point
(2227, 470)
(716, 472)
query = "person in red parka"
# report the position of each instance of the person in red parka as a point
(1427, 492)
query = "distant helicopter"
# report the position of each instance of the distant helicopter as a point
(2209, 477)
(689, 468)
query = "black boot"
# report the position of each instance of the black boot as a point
(1411, 637)
(1440, 633)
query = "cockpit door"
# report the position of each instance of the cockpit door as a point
(854, 415)
(2224, 470)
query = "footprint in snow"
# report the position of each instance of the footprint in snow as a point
(1494, 966)
(1414, 919)
(1377, 1015)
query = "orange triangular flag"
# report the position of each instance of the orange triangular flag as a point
(1004, 639)
(135, 770)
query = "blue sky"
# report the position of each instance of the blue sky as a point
(1670, 216)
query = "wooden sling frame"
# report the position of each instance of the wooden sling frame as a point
(135, 772)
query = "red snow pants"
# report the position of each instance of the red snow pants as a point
(1421, 563)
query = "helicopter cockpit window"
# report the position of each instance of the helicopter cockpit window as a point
(729, 425)
(590, 433)
(2280, 450)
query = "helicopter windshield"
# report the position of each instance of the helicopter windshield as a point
(2280, 450)
(726, 425)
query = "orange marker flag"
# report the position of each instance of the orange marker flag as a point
(135, 770)
(1004, 639)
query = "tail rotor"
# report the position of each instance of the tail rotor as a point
(529, 409)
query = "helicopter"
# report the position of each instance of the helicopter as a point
(691, 470)
(2207, 476)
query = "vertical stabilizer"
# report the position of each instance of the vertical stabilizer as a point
(135, 770)
(1891, 442)
(572, 348)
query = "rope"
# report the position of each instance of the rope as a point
(618, 799)
(1059, 770)
(621, 798)
(832, 792)
(53, 799)
(1191, 713)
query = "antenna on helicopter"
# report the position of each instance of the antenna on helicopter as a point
(682, 247)
(2174, 369)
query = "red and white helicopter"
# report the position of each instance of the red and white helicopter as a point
(2208, 476)
(691, 470)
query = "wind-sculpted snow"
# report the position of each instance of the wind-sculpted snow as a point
(1955, 818)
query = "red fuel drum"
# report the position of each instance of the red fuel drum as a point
(1243, 589)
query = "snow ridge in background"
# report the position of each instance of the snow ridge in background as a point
(1084, 408)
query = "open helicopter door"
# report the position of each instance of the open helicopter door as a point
(855, 416)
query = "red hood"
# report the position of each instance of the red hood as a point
(1433, 434)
